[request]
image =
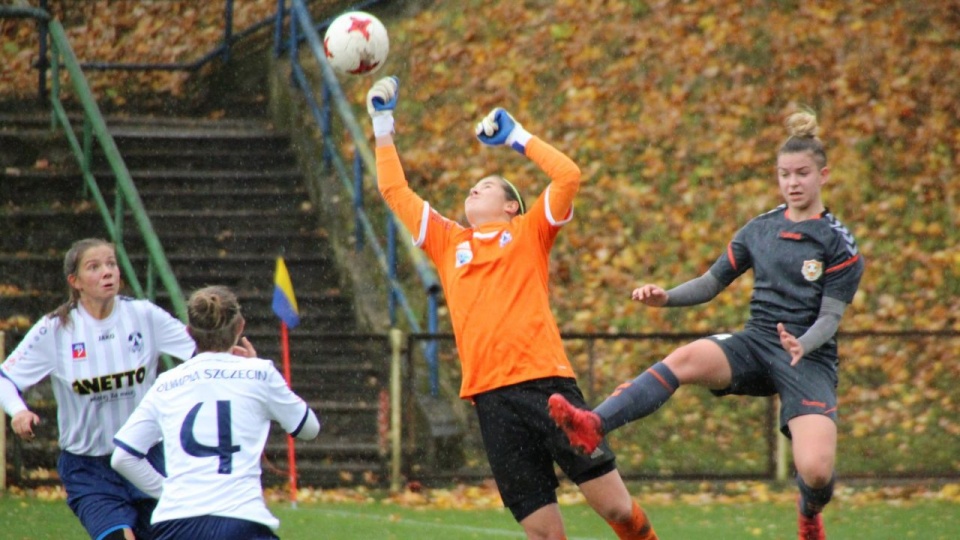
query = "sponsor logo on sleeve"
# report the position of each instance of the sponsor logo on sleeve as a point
(13, 359)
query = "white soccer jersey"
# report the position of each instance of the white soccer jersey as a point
(213, 413)
(100, 369)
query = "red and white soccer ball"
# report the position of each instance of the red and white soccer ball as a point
(356, 43)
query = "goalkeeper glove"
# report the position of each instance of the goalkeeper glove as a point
(499, 128)
(381, 100)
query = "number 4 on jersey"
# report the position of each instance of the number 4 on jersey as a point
(225, 447)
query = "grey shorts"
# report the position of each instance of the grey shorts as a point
(761, 367)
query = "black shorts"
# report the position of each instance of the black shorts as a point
(761, 367)
(523, 443)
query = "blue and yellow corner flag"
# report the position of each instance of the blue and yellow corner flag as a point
(284, 303)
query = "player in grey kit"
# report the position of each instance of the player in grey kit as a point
(806, 270)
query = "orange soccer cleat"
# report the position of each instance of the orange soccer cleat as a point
(810, 528)
(583, 428)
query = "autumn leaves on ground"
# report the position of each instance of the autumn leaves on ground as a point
(673, 110)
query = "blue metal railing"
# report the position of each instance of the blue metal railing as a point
(302, 30)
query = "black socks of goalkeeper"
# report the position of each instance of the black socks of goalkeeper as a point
(812, 500)
(638, 398)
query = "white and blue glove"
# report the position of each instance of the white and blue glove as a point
(499, 128)
(381, 100)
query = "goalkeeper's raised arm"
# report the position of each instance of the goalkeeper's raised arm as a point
(494, 272)
(499, 128)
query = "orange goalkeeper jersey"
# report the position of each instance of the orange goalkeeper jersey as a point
(495, 276)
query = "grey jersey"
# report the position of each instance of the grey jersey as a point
(795, 264)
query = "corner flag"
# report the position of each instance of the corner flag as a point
(285, 306)
(284, 303)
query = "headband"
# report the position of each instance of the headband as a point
(516, 194)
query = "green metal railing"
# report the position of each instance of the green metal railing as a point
(128, 201)
(127, 198)
(94, 132)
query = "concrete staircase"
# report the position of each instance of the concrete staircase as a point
(226, 198)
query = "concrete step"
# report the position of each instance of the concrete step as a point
(141, 139)
(218, 178)
(225, 198)
(199, 158)
(17, 183)
(20, 123)
(332, 474)
(319, 464)
(254, 302)
(87, 219)
(325, 449)
(278, 199)
(38, 234)
(32, 188)
(293, 242)
(314, 354)
(43, 229)
(226, 221)
(354, 388)
(350, 419)
(42, 234)
(309, 272)
(317, 354)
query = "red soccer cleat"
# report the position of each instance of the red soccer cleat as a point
(810, 528)
(581, 427)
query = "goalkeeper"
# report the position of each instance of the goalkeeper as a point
(494, 274)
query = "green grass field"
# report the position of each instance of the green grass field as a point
(23, 518)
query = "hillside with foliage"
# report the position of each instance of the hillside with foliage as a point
(674, 112)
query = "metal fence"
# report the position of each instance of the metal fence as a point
(899, 410)
(899, 415)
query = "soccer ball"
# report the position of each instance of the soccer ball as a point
(356, 43)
